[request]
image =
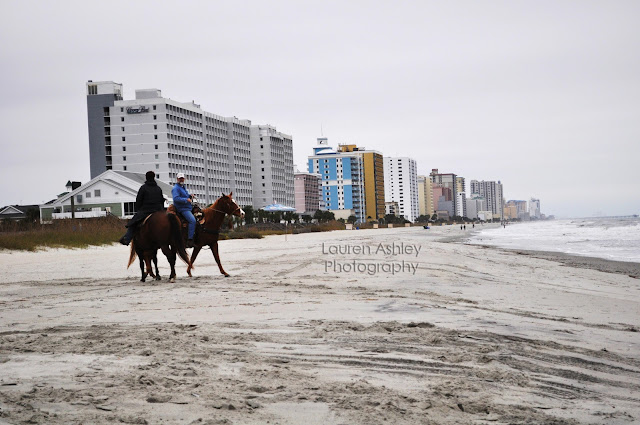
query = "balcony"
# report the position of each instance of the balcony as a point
(79, 214)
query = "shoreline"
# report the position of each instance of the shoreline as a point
(627, 268)
(594, 263)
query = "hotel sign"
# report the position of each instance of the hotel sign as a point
(137, 109)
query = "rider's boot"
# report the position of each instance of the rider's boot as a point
(126, 239)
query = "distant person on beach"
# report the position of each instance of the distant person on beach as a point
(465, 227)
(148, 200)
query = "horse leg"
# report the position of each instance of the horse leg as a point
(170, 253)
(194, 254)
(147, 262)
(155, 263)
(144, 275)
(214, 248)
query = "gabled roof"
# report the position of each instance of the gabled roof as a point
(140, 179)
(127, 182)
(17, 209)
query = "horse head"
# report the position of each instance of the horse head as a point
(228, 205)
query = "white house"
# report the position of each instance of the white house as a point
(110, 193)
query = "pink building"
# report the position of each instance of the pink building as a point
(307, 192)
(439, 191)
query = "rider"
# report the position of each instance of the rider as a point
(182, 201)
(149, 200)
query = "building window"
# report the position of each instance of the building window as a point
(154, 107)
(121, 109)
(123, 138)
(124, 168)
(129, 208)
(155, 117)
(124, 158)
(96, 193)
(156, 156)
(156, 146)
(155, 126)
(87, 195)
(157, 166)
(124, 149)
(122, 119)
(122, 128)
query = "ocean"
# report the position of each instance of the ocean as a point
(607, 237)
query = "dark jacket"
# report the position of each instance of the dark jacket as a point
(149, 200)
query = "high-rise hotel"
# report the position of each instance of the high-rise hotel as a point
(401, 186)
(352, 180)
(152, 132)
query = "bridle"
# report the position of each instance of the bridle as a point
(224, 214)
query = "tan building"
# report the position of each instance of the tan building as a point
(510, 212)
(391, 208)
(425, 196)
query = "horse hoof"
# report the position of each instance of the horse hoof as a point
(227, 275)
(158, 278)
(172, 280)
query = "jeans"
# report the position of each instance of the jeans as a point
(192, 222)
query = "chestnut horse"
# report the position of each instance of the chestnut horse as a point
(208, 231)
(159, 230)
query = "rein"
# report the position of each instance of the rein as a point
(224, 214)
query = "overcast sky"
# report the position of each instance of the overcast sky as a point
(541, 95)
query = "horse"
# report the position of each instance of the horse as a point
(208, 229)
(159, 230)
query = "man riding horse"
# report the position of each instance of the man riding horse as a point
(182, 201)
(149, 200)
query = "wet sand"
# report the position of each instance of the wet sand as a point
(473, 335)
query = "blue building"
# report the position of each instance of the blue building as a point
(342, 176)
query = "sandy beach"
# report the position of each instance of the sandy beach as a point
(398, 326)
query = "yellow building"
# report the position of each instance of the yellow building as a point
(425, 196)
(373, 177)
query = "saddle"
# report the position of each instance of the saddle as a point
(196, 211)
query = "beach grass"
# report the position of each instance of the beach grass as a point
(82, 233)
(71, 233)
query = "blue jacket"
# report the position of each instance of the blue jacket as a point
(180, 197)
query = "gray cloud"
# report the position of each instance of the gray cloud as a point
(544, 96)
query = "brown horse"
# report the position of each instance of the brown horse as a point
(208, 231)
(159, 230)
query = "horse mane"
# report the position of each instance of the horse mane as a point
(210, 210)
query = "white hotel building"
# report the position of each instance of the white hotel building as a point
(401, 186)
(151, 132)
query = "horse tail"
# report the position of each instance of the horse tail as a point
(176, 239)
(132, 255)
